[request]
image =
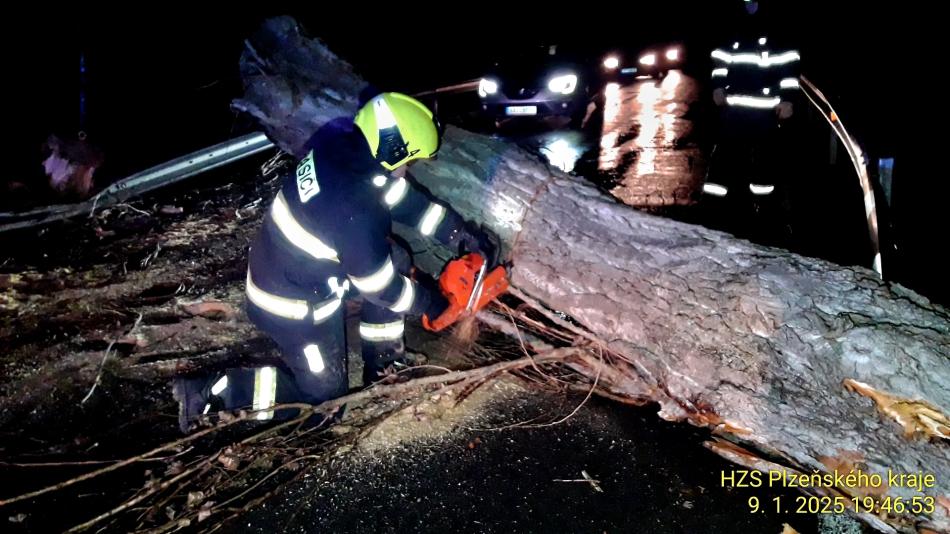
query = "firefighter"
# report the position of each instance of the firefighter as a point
(755, 83)
(326, 237)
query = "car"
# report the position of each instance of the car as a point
(536, 84)
(652, 62)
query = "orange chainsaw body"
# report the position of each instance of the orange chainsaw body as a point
(458, 281)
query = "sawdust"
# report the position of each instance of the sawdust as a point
(466, 331)
(437, 416)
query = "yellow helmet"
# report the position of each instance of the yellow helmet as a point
(398, 128)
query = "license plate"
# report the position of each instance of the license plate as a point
(628, 70)
(521, 110)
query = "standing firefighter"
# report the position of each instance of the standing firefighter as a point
(327, 235)
(755, 81)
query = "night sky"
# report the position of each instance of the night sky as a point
(155, 74)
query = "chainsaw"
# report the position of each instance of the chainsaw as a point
(468, 286)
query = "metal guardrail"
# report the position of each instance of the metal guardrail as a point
(139, 183)
(859, 161)
(470, 85)
(168, 173)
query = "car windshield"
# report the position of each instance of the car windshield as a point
(535, 62)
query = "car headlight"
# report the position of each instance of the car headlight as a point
(648, 59)
(673, 54)
(487, 87)
(564, 84)
(611, 62)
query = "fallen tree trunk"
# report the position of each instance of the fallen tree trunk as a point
(814, 366)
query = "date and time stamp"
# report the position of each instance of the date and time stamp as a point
(850, 482)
